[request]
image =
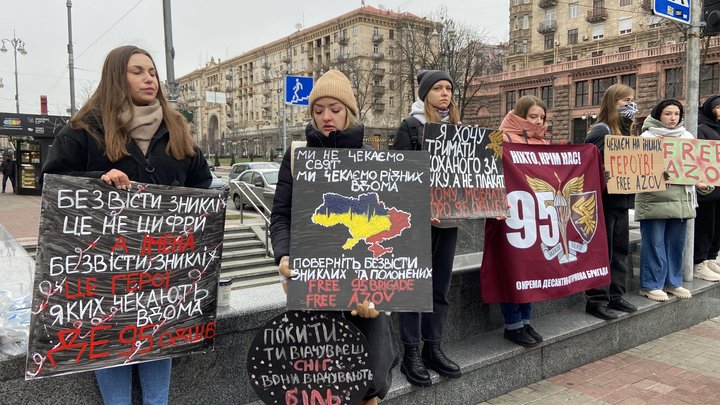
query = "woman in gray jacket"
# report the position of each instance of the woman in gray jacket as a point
(663, 215)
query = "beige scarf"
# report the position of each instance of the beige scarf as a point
(144, 123)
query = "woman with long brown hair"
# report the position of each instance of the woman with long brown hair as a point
(617, 112)
(128, 132)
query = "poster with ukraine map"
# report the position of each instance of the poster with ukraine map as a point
(360, 230)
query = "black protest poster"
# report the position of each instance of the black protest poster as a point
(360, 230)
(303, 357)
(466, 171)
(123, 276)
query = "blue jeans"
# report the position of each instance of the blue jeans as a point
(116, 383)
(515, 314)
(661, 253)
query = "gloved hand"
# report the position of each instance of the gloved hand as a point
(607, 175)
(666, 176)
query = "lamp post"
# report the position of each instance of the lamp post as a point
(445, 35)
(18, 46)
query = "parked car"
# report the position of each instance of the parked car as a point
(260, 185)
(238, 168)
(218, 183)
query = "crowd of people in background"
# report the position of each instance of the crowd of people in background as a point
(127, 122)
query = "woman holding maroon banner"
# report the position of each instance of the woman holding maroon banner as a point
(334, 124)
(127, 132)
(707, 223)
(524, 124)
(434, 104)
(617, 112)
(663, 215)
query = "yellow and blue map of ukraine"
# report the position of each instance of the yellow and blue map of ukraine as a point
(366, 217)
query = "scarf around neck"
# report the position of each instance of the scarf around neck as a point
(521, 130)
(144, 123)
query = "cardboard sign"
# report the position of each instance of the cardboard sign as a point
(465, 171)
(360, 230)
(302, 357)
(553, 242)
(690, 161)
(635, 164)
(123, 276)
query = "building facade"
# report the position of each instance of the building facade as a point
(237, 105)
(545, 32)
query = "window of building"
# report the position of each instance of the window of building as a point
(376, 50)
(516, 23)
(376, 31)
(625, 25)
(572, 57)
(572, 38)
(625, 3)
(526, 1)
(709, 79)
(354, 30)
(598, 31)
(625, 48)
(550, 14)
(295, 51)
(355, 48)
(549, 41)
(525, 46)
(573, 9)
(526, 21)
(654, 21)
(598, 88)
(629, 80)
(546, 94)
(391, 101)
(391, 85)
(391, 51)
(673, 82)
(391, 34)
(509, 101)
(581, 93)
(526, 92)
(597, 53)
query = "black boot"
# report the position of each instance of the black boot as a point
(520, 337)
(413, 367)
(435, 359)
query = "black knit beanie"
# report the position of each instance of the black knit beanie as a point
(427, 79)
(657, 110)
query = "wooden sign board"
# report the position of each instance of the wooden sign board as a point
(690, 161)
(635, 164)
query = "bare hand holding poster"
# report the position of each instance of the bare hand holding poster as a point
(123, 276)
(360, 230)
(465, 171)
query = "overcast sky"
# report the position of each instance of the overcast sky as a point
(201, 29)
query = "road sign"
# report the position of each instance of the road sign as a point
(297, 89)
(678, 10)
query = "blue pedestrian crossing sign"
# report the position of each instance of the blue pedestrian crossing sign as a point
(677, 10)
(297, 89)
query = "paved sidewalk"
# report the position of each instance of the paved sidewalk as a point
(680, 368)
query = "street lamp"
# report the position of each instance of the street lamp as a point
(445, 35)
(18, 46)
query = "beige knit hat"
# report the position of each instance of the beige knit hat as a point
(334, 84)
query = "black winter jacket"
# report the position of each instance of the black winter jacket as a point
(76, 153)
(596, 136)
(282, 203)
(8, 168)
(708, 128)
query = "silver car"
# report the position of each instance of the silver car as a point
(259, 184)
(238, 168)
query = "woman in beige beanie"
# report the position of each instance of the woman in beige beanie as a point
(334, 124)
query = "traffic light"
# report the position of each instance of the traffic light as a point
(711, 16)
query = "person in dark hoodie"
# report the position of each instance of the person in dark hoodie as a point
(617, 112)
(707, 222)
(434, 104)
(334, 124)
(8, 172)
(127, 132)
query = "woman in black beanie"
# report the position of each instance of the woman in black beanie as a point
(435, 104)
(707, 222)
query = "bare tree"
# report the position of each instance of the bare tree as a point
(85, 91)
(360, 73)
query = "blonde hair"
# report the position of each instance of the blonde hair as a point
(112, 97)
(351, 120)
(609, 113)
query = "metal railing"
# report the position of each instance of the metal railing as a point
(260, 208)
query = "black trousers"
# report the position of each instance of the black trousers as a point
(617, 227)
(428, 326)
(383, 352)
(707, 231)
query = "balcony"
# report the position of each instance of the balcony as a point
(596, 15)
(547, 3)
(377, 38)
(379, 89)
(286, 60)
(378, 55)
(267, 92)
(343, 40)
(266, 65)
(547, 27)
(379, 72)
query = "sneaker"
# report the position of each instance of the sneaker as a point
(713, 266)
(679, 292)
(655, 295)
(702, 272)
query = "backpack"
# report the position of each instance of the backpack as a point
(416, 138)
